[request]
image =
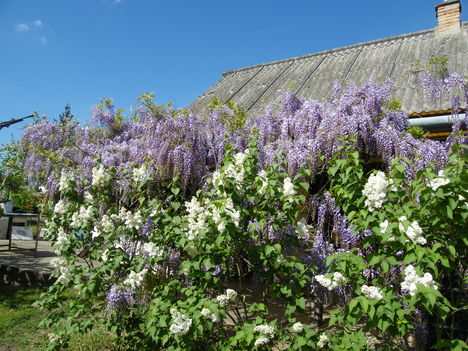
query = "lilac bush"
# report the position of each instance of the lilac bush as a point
(192, 233)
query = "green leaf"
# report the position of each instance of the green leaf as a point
(301, 302)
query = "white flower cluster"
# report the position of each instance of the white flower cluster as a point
(131, 220)
(323, 340)
(438, 181)
(228, 296)
(140, 174)
(375, 190)
(181, 323)
(205, 312)
(88, 197)
(413, 232)
(60, 207)
(302, 229)
(231, 211)
(107, 224)
(134, 220)
(262, 175)
(153, 250)
(267, 332)
(332, 282)
(84, 215)
(412, 279)
(64, 182)
(95, 233)
(99, 176)
(371, 292)
(288, 189)
(384, 226)
(135, 279)
(234, 171)
(196, 218)
(61, 264)
(61, 241)
(198, 215)
(105, 255)
(297, 327)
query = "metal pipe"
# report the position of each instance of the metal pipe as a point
(436, 121)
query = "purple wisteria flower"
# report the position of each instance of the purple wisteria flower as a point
(120, 297)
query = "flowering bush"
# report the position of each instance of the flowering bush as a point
(203, 274)
(407, 273)
(235, 267)
(175, 240)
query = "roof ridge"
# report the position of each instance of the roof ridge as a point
(343, 48)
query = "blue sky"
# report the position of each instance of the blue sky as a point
(55, 52)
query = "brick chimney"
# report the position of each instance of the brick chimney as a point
(448, 16)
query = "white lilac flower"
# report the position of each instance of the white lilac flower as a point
(412, 279)
(331, 282)
(222, 299)
(60, 207)
(140, 174)
(236, 173)
(205, 312)
(265, 329)
(438, 181)
(375, 190)
(181, 323)
(339, 278)
(135, 279)
(323, 340)
(96, 233)
(240, 158)
(231, 294)
(99, 176)
(153, 250)
(264, 179)
(228, 296)
(371, 292)
(413, 232)
(196, 218)
(43, 189)
(217, 179)
(81, 217)
(58, 262)
(107, 224)
(262, 341)
(231, 211)
(288, 189)
(134, 220)
(324, 281)
(88, 197)
(65, 275)
(61, 265)
(105, 255)
(297, 327)
(302, 229)
(61, 241)
(383, 227)
(64, 182)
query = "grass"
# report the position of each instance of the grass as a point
(19, 320)
(20, 330)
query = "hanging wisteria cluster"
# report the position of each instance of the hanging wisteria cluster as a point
(191, 145)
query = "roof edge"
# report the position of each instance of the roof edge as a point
(343, 48)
